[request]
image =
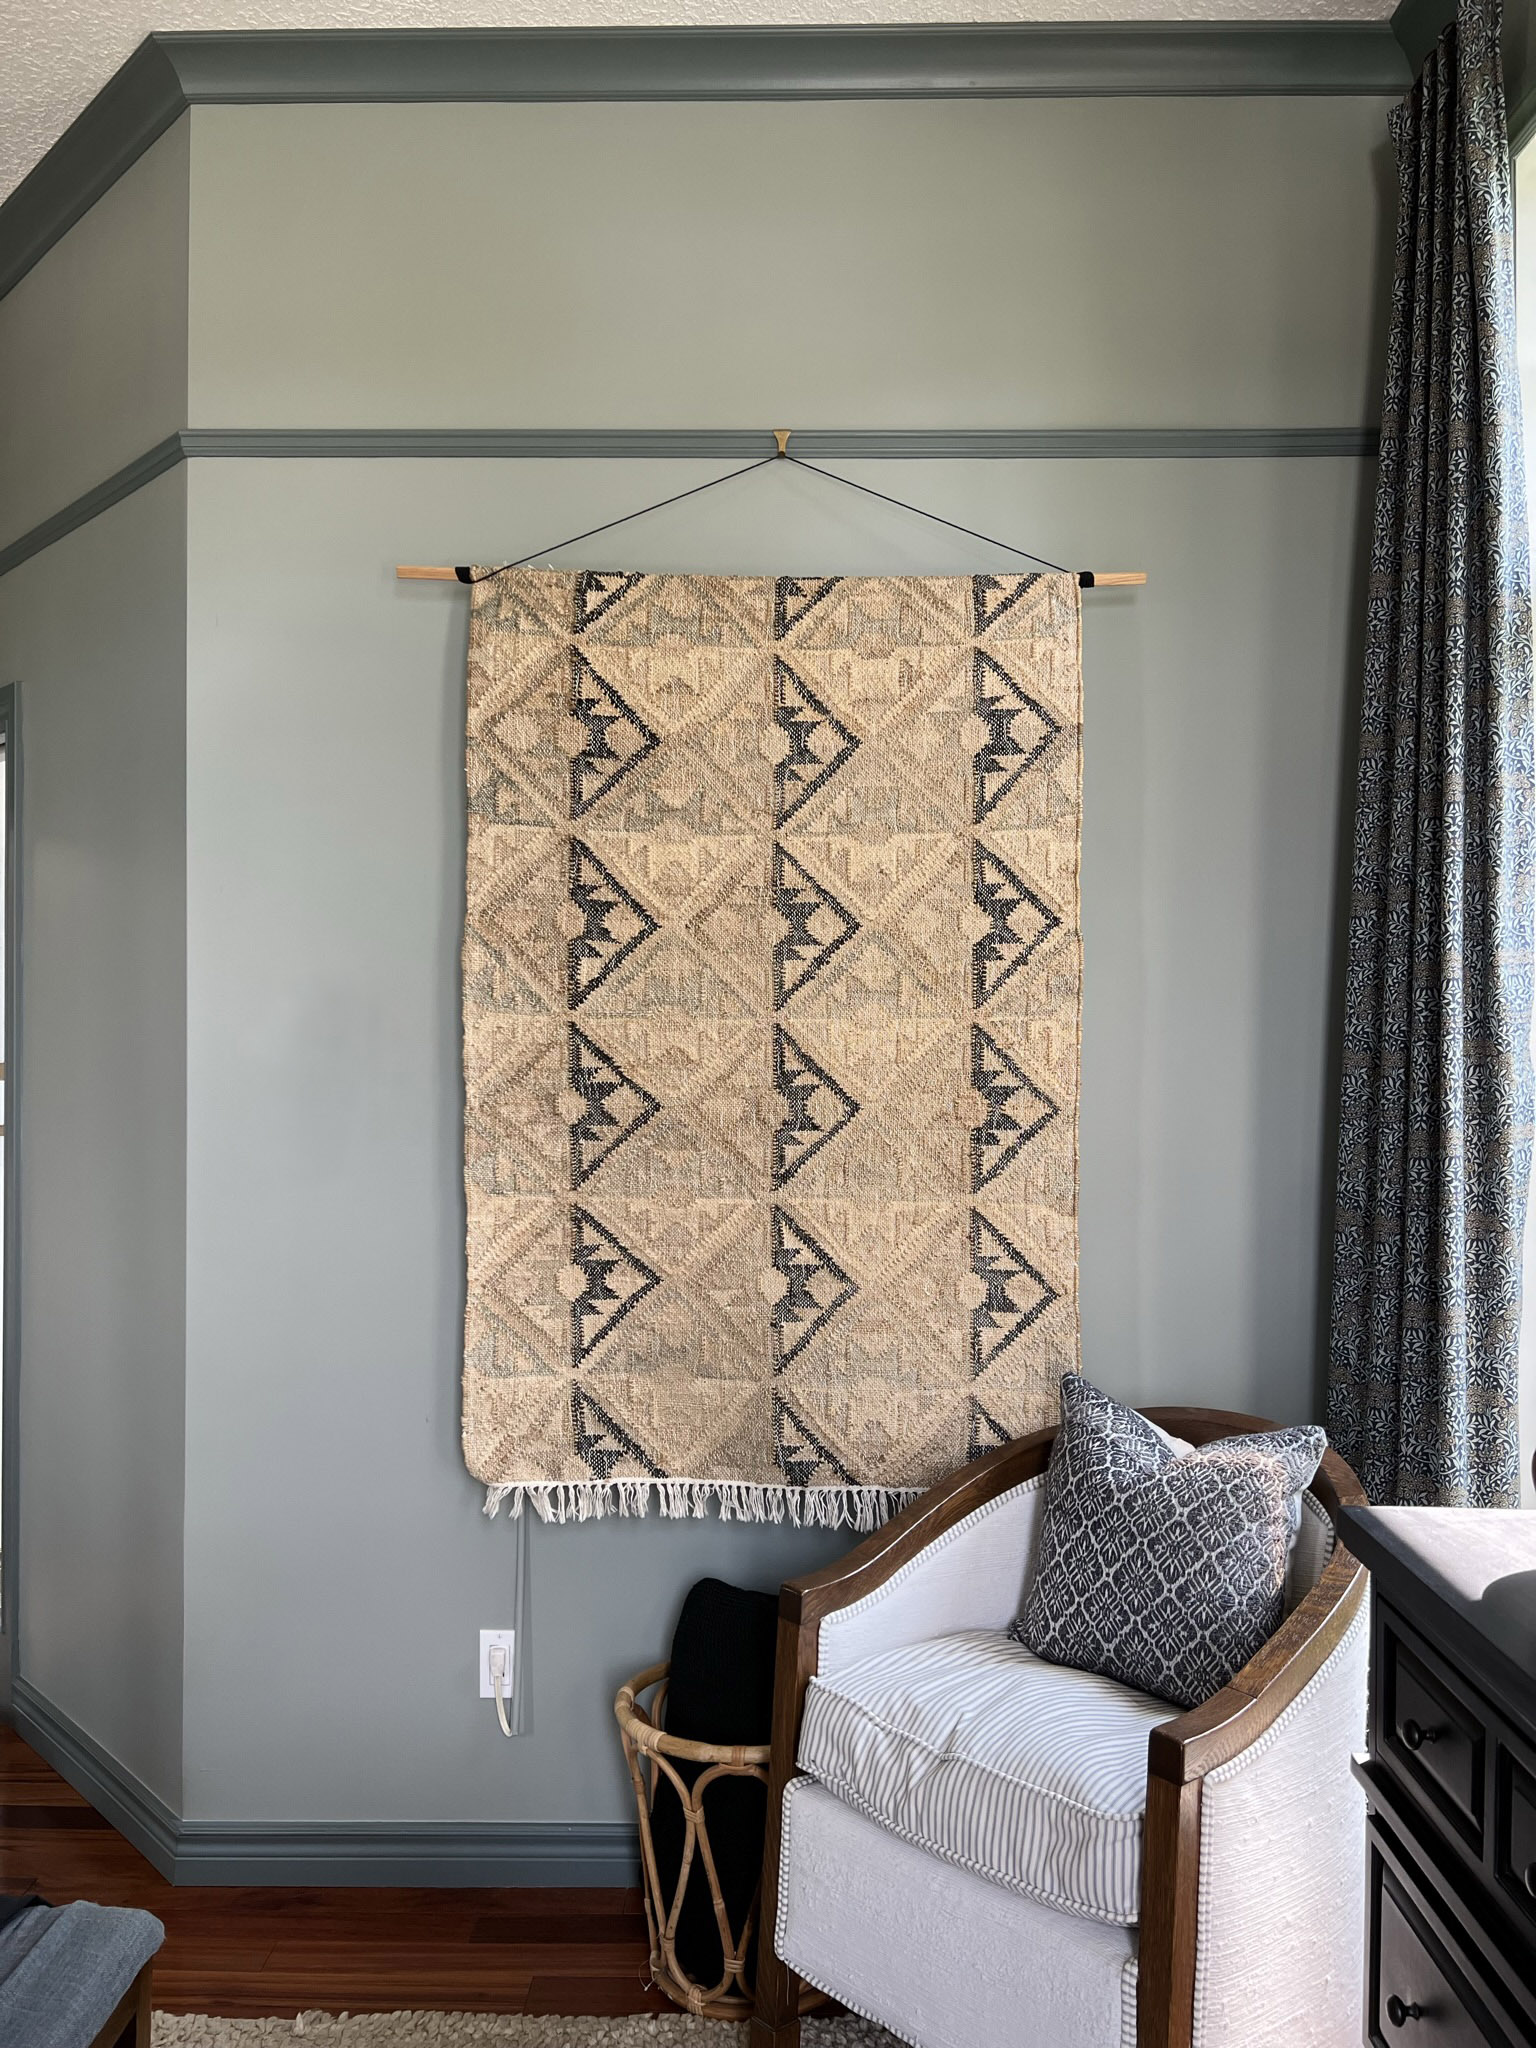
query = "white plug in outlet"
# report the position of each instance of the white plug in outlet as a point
(502, 1639)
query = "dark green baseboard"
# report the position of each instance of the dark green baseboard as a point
(447, 1853)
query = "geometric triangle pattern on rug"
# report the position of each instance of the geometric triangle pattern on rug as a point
(606, 923)
(816, 743)
(771, 989)
(815, 926)
(609, 1107)
(614, 740)
(1018, 732)
(610, 1282)
(1016, 1110)
(815, 1288)
(817, 1108)
(801, 1454)
(1014, 1293)
(603, 1443)
(1017, 921)
(987, 1433)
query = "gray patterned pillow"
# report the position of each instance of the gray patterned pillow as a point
(1164, 1570)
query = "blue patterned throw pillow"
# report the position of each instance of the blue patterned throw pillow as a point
(1164, 1569)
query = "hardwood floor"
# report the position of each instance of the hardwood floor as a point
(257, 1950)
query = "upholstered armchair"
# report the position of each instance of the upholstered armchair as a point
(1099, 1871)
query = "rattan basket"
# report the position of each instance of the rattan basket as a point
(648, 1751)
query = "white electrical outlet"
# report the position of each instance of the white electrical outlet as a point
(493, 1638)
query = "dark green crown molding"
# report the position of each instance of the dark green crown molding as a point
(1418, 25)
(132, 110)
(169, 73)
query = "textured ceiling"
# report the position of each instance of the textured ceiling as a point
(61, 52)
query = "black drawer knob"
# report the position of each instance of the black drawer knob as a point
(1530, 1879)
(1400, 2014)
(1415, 1734)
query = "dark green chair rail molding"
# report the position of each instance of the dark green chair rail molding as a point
(169, 73)
(707, 444)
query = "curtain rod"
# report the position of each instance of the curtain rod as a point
(1088, 579)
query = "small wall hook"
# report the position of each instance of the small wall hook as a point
(781, 435)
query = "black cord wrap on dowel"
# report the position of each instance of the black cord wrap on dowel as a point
(1084, 577)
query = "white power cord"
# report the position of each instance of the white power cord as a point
(498, 1680)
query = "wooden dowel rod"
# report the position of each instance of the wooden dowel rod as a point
(412, 572)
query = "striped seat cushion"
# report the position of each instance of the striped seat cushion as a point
(1030, 1774)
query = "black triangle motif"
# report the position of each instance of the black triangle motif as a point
(615, 1280)
(987, 1433)
(818, 925)
(819, 742)
(816, 1288)
(1018, 732)
(1008, 1307)
(794, 596)
(1002, 898)
(816, 1108)
(614, 923)
(616, 738)
(602, 1443)
(614, 1107)
(1016, 1109)
(597, 591)
(799, 1451)
(987, 607)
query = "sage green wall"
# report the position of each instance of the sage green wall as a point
(927, 263)
(93, 631)
(921, 264)
(334, 1540)
(1132, 263)
(93, 342)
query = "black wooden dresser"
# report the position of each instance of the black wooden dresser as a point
(1450, 1776)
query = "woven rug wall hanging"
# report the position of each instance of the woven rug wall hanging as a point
(771, 995)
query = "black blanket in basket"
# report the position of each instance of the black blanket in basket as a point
(720, 1690)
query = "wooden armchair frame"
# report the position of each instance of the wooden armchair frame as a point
(1179, 1752)
(132, 2019)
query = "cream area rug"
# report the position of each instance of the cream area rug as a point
(771, 995)
(478, 2030)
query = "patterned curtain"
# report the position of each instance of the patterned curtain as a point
(1435, 1118)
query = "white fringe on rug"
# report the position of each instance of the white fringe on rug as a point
(485, 2030)
(860, 1508)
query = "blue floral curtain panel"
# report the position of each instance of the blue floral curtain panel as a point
(1435, 1120)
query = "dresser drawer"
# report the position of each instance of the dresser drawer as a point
(1433, 1733)
(1516, 1835)
(1419, 1996)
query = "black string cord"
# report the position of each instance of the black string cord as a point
(831, 475)
(467, 576)
(937, 517)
